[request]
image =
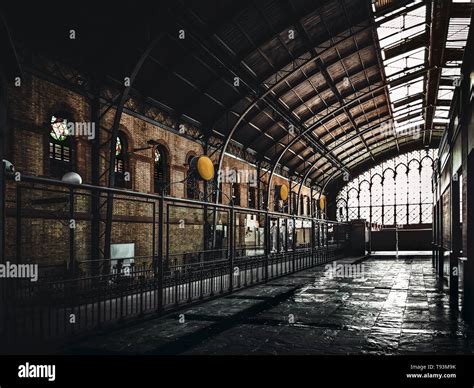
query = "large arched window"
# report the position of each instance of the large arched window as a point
(397, 191)
(160, 170)
(389, 193)
(251, 196)
(60, 146)
(192, 185)
(294, 203)
(235, 190)
(414, 191)
(121, 153)
(401, 183)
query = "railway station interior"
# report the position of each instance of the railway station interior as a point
(265, 177)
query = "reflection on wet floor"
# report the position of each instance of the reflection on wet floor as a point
(392, 306)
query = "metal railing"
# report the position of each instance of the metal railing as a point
(186, 251)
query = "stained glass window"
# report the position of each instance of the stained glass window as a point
(235, 192)
(158, 157)
(192, 185)
(251, 196)
(59, 130)
(118, 147)
(59, 147)
(160, 170)
(120, 161)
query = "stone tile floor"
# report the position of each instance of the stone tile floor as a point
(394, 306)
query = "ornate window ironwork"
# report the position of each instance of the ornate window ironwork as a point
(397, 191)
(252, 196)
(235, 192)
(192, 185)
(120, 161)
(160, 170)
(60, 147)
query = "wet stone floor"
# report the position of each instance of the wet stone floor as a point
(389, 306)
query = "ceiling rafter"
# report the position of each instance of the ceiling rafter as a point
(321, 67)
(254, 89)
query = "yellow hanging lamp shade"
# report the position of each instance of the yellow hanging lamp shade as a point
(322, 202)
(282, 192)
(205, 167)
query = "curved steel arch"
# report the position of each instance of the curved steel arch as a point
(401, 80)
(303, 180)
(113, 141)
(388, 149)
(325, 185)
(338, 146)
(338, 137)
(318, 92)
(342, 107)
(267, 92)
(329, 143)
(297, 68)
(266, 40)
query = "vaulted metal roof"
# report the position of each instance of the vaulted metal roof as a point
(317, 87)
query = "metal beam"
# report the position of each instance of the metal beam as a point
(346, 105)
(306, 100)
(438, 34)
(113, 142)
(265, 98)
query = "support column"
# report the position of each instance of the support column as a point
(434, 232)
(3, 146)
(3, 141)
(440, 234)
(267, 243)
(293, 254)
(95, 177)
(455, 243)
(232, 247)
(259, 188)
(469, 219)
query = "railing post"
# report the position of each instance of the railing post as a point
(313, 232)
(160, 253)
(293, 257)
(72, 228)
(231, 249)
(456, 242)
(267, 243)
(142, 287)
(18, 223)
(3, 299)
(190, 284)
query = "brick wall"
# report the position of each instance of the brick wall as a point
(45, 239)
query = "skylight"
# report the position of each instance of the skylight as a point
(391, 34)
(407, 29)
(457, 32)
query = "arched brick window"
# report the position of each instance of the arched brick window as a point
(121, 161)
(60, 146)
(160, 170)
